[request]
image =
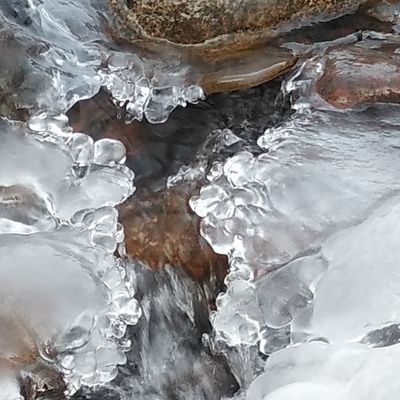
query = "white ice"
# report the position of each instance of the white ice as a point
(322, 371)
(61, 56)
(319, 173)
(65, 296)
(359, 293)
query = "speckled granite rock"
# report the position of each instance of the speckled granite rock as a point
(198, 21)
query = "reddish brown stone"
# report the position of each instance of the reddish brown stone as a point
(161, 229)
(358, 75)
(194, 22)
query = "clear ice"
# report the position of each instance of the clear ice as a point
(271, 212)
(310, 226)
(65, 298)
(57, 53)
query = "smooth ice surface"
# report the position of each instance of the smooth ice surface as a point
(322, 371)
(57, 53)
(359, 293)
(65, 297)
(38, 279)
(9, 388)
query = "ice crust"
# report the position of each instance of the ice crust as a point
(66, 299)
(324, 371)
(272, 212)
(310, 227)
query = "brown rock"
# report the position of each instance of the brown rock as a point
(36, 376)
(226, 45)
(358, 75)
(154, 151)
(191, 22)
(161, 229)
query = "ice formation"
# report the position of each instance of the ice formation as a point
(348, 338)
(65, 297)
(318, 174)
(363, 262)
(310, 226)
(55, 54)
(309, 223)
(315, 371)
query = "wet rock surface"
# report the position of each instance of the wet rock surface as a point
(236, 45)
(160, 226)
(357, 75)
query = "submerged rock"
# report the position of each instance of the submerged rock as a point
(209, 131)
(161, 230)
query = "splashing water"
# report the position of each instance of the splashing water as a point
(167, 360)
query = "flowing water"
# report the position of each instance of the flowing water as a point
(297, 194)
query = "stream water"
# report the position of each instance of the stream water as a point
(157, 245)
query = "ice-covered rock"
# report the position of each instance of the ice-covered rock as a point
(63, 297)
(321, 371)
(55, 54)
(319, 173)
(359, 292)
(50, 176)
(66, 299)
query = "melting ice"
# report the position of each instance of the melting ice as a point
(57, 53)
(65, 301)
(311, 230)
